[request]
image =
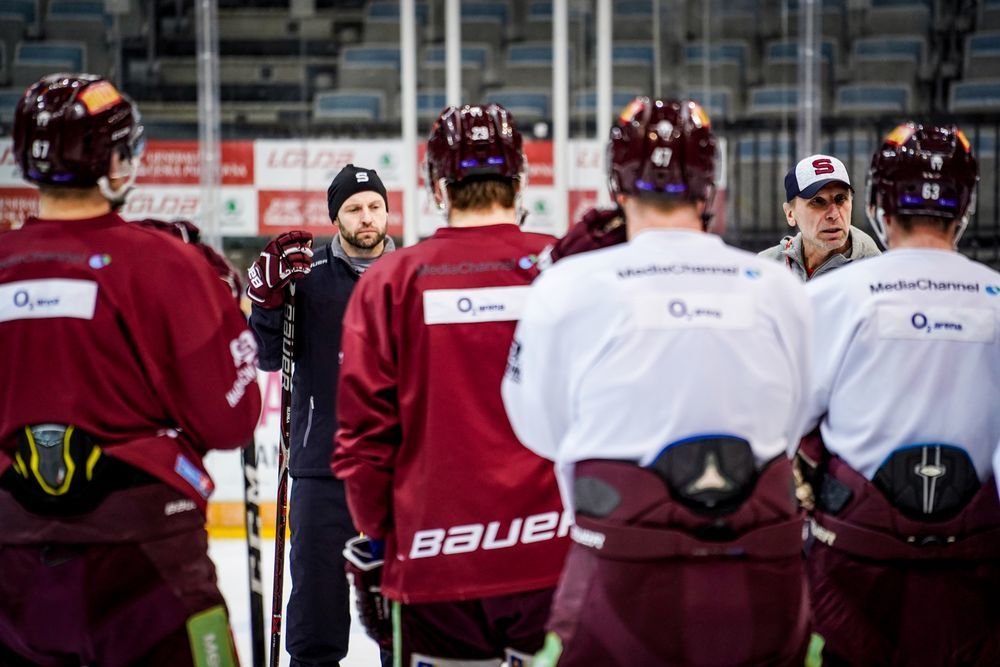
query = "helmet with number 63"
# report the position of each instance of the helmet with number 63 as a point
(68, 126)
(922, 170)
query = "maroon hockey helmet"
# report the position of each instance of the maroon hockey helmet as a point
(662, 148)
(474, 142)
(925, 170)
(67, 127)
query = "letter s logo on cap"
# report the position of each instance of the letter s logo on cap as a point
(362, 177)
(822, 166)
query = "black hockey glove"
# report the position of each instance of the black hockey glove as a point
(599, 228)
(286, 257)
(363, 557)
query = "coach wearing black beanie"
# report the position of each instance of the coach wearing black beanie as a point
(318, 615)
(352, 180)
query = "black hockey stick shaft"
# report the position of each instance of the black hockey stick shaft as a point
(251, 500)
(281, 518)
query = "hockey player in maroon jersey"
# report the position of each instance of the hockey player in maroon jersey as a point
(126, 362)
(665, 378)
(473, 529)
(905, 565)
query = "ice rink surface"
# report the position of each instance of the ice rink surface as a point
(230, 556)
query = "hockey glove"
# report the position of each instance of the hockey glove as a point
(599, 228)
(286, 257)
(363, 557)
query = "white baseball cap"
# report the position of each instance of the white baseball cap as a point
(814, 173)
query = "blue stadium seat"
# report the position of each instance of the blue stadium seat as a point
(527, 105)
(632, 19)
(632, 66)
(17, 17)
(781, 62)
(348, 105)
(33, 60)
(989, 15)
(430, 103)
(864, 99)
(537, 23)
(583, 106)
(382, 20)
(27, 10)
(733, 19)
(726, 61)
(374, 66)
(487, 21)
(529, 64)
(975, 96)
(894, 58)
(719, 102)
(756, 183)
(982, 55)
(8, 102)
(898, 17)
(773, 101)
(832, 16)
(478, 67)
(84, 21)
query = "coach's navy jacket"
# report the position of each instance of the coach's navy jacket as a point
(320, 300)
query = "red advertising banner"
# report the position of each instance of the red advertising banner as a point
(178, 163)
(16, 204)
(284, 210)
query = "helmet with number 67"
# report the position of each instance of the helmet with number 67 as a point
(662, 148)
(922, 170)
(67, 127)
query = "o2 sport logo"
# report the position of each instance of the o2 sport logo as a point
(920, 322)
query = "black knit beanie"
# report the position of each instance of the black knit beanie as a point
(350, 181)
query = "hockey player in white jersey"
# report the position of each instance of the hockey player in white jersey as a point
(905, 565)
(666, 378)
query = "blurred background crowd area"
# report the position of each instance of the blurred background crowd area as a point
(330, 69)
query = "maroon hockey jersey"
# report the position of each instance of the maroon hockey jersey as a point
(127, 334)
(429, 459)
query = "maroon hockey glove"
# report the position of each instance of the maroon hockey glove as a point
(364, 569)
(286, 257)
(599, 228)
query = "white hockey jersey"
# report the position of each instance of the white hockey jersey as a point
(906, 351)
(623, 351)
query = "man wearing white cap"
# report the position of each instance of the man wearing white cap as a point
(819, 198)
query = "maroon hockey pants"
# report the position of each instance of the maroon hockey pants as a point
(913, 614)
(475, 629)
(684, 612)
(113, 605)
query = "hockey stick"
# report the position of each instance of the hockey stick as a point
(281, 519)
(251, 501)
